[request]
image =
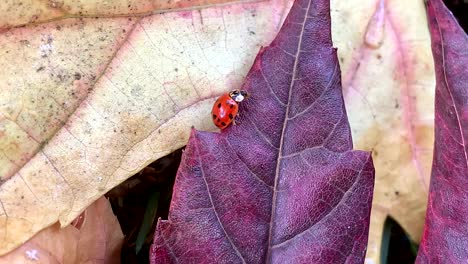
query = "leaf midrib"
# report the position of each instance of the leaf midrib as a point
(280, 150)
(446, 82)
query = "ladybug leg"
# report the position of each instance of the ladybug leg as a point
(234, 122)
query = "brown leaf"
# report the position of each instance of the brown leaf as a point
(99, 238)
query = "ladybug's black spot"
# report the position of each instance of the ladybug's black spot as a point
(217, 121)
(223, 124)
(214, 116)
(219, 105)
(231, 106)
(230, 116)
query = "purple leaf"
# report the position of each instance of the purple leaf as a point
(445, 238)
(284, 186)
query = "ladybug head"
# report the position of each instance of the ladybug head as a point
(239, 95)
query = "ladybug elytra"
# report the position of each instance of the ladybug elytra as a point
(226, 107)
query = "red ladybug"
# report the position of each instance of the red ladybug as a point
(226, 107)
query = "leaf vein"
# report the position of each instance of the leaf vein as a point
(214, 207)
(271, 89)
(248, 168)
(321, 94)
(278, 161)
(341, 202)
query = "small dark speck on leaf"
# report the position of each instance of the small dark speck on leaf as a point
(40, 69)
(397, 193)
(61, 77)
(77, 76)
(24, 42)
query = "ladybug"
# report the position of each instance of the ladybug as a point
(226, 107)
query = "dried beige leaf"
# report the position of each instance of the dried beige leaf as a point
(90, 101)
(388, 85)
(20, 12)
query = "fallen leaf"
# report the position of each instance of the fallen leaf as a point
(445, 238)
(60, 103)
(18, 13)
(284, 186)
(388, 84)
(91, 101)
(97, 238)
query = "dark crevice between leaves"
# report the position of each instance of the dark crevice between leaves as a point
(133, 203)
(459, 9)
(397, 247)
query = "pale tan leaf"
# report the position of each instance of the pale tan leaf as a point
(388, 85)
(97, 238)
(20, 12)
(90, 101)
